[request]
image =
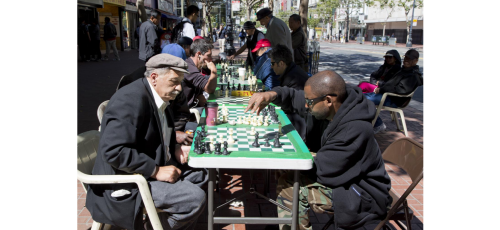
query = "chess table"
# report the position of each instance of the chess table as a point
(293, 155)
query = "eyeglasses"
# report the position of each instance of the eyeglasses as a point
(310, 102)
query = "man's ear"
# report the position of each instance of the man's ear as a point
(153, 77)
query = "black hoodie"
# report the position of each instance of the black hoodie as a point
(403, 82)
(348, 158)
(386, 71)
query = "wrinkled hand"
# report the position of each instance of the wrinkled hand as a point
(231, 57)
(183, 138)
(169, 174)
(259, 101)
(376, 90)
(182, 153)
(211, 66)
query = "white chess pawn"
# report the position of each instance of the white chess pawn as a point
(240, 121)
(252, 131)
(265, 123)
(230, 139)
(212, 146)
(230, 131)
(221, 140)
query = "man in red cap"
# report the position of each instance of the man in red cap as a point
(197, 37)
(253, 37)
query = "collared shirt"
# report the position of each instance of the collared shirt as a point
(188, 29)
(270, 22)
(166, 130)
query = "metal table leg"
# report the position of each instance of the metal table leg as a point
(211, 182)
(295, 207)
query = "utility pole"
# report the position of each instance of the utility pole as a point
(409, 43)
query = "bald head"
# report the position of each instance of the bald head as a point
(328, 82)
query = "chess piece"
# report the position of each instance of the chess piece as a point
(267, 142)
(203, 132)
(277, 143)
(239, 86)
(256, 141)
(217, 149)
(252, 131)
(230, 139)
(225, 152)
(202, 148)
(196, 147)
(207, 148)
(280, 133)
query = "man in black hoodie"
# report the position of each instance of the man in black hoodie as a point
(403, 82)
(348, 177)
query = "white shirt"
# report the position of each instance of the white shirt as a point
(166, 130)
(187, 29)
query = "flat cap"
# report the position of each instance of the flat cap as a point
(263, 12)
(166, 60)
(249, 25)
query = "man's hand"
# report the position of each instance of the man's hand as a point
(259, 101)
(169, 174)
(182, 153)
(183, 138)
(231, 57)
(376, 90)
(211, 67)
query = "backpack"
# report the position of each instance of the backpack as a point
(177, 32)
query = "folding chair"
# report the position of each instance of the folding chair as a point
(409, 155)
(394, 111)
(88, 143)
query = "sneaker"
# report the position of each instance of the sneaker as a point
(379, 128)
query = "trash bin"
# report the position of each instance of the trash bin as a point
(392, 41)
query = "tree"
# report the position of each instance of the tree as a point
(141, 10)
(324, 10)
(388, 6)
(303, 12)
(207, 6)
(407, 5)
(250, 5)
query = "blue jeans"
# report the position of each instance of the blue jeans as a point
(376, 100)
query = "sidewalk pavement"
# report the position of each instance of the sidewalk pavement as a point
(234, 182)
(419, 47)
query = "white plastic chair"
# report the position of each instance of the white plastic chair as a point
(88, 143)
(394, 111)
(100, 111)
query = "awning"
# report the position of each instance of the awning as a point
(170, 17)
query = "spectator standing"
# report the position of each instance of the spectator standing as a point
(148, 36)
(222, 38)
(299, 42)
(185, 28)
(253, 36)
(95, 42)
(84, 41)
(277, 30)
(110, 39)
(214, 34)
(242, 36)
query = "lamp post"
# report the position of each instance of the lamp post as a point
(229, 49)
(409, 44)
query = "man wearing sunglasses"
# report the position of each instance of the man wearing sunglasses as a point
(348, 178)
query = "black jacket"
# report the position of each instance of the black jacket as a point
(293, 77)
(404, 82)
(348, 158)
(391, 70)
(131, 142)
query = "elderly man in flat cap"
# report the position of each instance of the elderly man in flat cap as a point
(137, 137)
(277, 30)
(253, 36)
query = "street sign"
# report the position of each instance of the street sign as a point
(414, 22)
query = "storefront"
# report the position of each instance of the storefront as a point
(168, 18)
(114, 10)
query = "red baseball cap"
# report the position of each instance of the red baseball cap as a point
(261, 43)
(197, 37)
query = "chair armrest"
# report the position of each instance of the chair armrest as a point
(196, 114)
(141, 182)
(400, 95)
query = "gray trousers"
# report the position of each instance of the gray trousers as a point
(183, 201)
(112, 45)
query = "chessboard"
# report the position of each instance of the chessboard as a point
(292, 154)
(232, 100)
(243, 139)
